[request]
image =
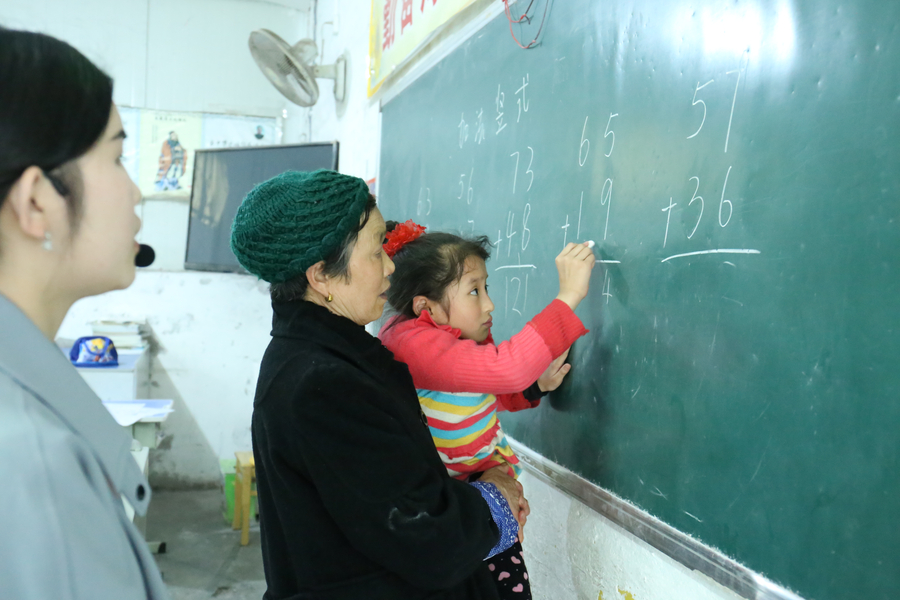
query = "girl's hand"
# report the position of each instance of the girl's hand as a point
(574, 264)
(555, 373)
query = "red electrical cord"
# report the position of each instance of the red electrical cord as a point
(524, 17)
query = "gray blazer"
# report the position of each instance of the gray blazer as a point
(65, 464)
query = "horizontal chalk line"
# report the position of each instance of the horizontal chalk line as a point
(721, 251)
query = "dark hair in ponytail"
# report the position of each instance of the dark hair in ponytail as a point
(429, 265)
(54, 105)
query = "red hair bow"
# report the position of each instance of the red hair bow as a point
(402, 234)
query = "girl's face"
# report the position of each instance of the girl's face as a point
(469, 305)
(99, 253)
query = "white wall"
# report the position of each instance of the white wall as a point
(183, 55)
(573, 552)
(343, 28)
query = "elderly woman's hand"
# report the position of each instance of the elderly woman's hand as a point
(524, 511)
(512, 491)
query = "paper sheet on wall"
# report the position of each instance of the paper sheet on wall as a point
(170, 137)
(159, 147)
(231, 131)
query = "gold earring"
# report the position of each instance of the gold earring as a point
(329, 298)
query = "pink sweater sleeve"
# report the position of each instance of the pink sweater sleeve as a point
(438, 360)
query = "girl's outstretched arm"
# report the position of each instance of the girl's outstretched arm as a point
(440, 361)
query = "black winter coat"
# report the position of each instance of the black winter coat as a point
(354, 500)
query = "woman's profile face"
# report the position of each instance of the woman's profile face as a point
(361, 296)
(99, 255)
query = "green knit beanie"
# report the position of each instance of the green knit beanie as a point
(294, 220)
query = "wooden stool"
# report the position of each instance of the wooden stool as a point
(244, 474)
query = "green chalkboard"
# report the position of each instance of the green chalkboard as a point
(738, 166)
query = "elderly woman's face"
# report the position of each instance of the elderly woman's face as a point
(361, 298)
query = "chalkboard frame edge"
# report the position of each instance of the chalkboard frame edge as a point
(678, 546)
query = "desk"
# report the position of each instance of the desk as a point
(142, 457)
(147, 428)
(143, 417)
(127, 381)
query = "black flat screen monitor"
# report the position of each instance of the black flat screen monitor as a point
(222, 178)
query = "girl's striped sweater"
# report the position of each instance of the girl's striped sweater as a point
(462, 384)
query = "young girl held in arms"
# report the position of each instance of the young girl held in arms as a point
(442, 331)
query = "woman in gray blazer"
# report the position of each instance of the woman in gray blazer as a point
(67, 228)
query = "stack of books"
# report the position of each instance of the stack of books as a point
(125, 335)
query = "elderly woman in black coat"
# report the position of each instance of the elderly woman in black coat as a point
(355, 502)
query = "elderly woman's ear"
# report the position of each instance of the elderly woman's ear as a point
(318, 280)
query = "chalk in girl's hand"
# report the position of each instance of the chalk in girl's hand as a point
(590, 244)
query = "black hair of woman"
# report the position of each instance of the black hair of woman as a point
(430, 264)
(56, 106)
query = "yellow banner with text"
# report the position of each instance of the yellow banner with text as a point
(398, 29)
